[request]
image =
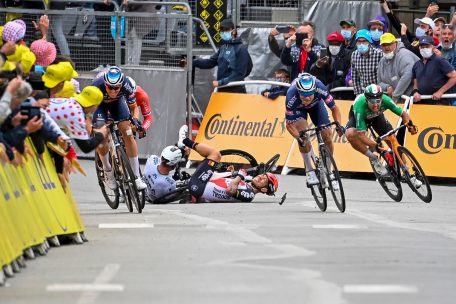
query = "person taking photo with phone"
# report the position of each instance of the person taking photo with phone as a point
(301, 49)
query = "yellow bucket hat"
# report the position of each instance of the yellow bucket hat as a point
(67, 91)
(27, 61)
(56, 73)
(90, 96)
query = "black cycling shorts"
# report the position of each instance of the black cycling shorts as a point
(201, 177)
(380, 124)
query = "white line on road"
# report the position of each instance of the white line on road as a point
(380, 289)
(339, 226)
(125, 225)
(85, 287)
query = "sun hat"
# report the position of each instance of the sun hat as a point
(45, 52)
(90, 96)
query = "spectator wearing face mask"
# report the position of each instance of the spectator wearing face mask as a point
(377, 27)
(274, 44)
(432, 75)
(364, 62)
(281, 75)
(332, 69)
(232, 59)
(348, 31)
(395, 68)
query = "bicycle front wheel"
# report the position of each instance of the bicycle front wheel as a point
(111, 196)
(415, 176)
(389, 182)
(318, 191)
(237, 158)
(132, 194)
(333, 176)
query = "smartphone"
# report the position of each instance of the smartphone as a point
(300, 37)
(283, 29)
(323, 52)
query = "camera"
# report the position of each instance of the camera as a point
(300, 37)
(283, 29)
(8, 75)
(30, 111)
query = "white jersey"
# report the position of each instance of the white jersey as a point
(157, 184)
(216, 190)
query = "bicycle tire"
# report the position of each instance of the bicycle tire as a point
(390, 183)
(238, 158)
(271, 164)
(177, 194)
(318, 192)
(112, 202)
(129, 180)
(418, 173)
(338, 196)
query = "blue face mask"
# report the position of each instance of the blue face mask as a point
(376, 34)
(346, 34)
(226, 36)
(362, 48)
(419, 32)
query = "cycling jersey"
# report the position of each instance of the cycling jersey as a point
(126, 91)
(142, 100)
(362, 112)
(157, 184)
(296, 110)
(69, 115)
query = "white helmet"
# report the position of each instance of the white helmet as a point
(171, 155)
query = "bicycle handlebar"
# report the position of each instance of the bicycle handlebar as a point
(380, 138)
(318, 128)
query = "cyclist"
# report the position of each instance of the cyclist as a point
(142, 101)
(117, 93)
(367, 109)
(205, 185)
(308, 95)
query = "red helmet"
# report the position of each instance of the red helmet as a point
(273, 183)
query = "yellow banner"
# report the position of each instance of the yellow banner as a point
(247, 122)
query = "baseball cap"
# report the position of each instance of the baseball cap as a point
(426, 40)
(348, 22)
(440, 19)
(56, 73)
(425, 20)
(376, 22)
(387, 38)
(14, 30)
(335, 36)
(364, 34)
(227, 24)
(90, 96)
(45, 52)
(27, 61)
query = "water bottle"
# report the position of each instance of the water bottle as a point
(389, 157)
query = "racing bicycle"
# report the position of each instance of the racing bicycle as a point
(326, 171)
(123, 173)
(402, 167)
(232, 160)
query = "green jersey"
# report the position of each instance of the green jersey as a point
(363, 113)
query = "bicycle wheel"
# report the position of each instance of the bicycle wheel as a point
(179, 193)
(111, 196)
(237, 158)
(332, 174)
(129, 179)
(390, 182)
(271, 164)
(318, 190)
(414, 170)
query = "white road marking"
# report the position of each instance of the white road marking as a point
(84, 287)
(125, 225)
(339, 226)
(377, 288)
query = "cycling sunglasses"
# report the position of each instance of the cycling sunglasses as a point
(374, 101)
(305, 94)
(113, 88)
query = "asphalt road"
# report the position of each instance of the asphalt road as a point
(377, 252)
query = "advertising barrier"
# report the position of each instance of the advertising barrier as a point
(256, 125)
(33, 207)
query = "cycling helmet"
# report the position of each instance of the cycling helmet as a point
(306, 84)
(114, 76)
(273, 183)
(133, 84)
(373, 91)
(171, 155)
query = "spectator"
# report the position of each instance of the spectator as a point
(300, 55)
(45, 53)
(281, 75)
(272, 41)
(232, 59)
(395, 68)
(6, 102)
(448, 45)
(348, 31)
(331, 70)
(439, 23)
(377, 27)
(364, 62)
(56, 75)
(432, 75)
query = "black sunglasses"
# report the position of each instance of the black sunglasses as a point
(114, 88)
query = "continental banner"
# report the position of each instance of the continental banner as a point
(247, 122)
(257, 125)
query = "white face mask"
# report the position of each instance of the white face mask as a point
(389, 55)
(334, 49)
(426, 52)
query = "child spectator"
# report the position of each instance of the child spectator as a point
(281, 75)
